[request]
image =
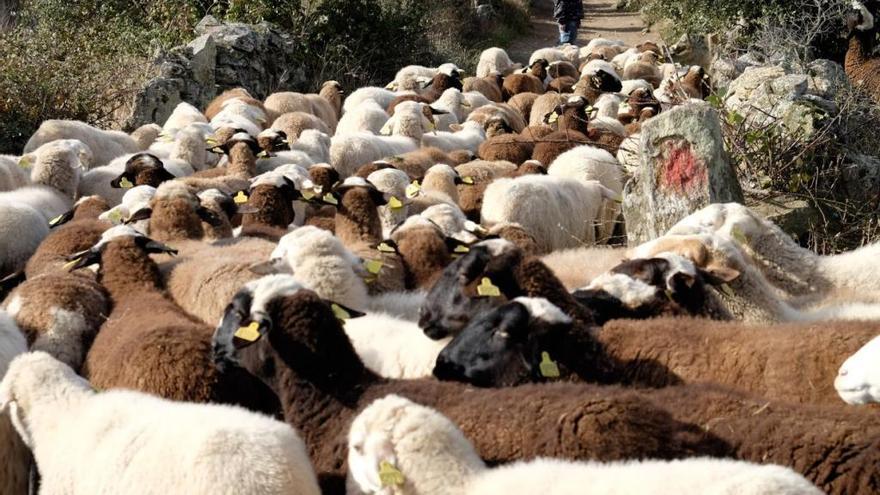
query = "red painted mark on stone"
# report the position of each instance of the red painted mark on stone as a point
(681, 170)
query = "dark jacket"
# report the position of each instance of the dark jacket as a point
(568, 10)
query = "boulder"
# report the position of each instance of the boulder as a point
(861, 180)
(683, 167)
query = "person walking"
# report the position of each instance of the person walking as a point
(568, 14)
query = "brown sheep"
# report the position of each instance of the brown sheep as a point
(293, 123)
(332, 92)
(146, 135)
(441, 83)
(425, 252)
(523, 102)
(645, 68)
(402, 98)
(521, 83)
(489, 86)
(860, 66)
(511, 116)
(479, 173)
(564, 84)
(323, 176)
(242, 151)
(271, 200)
(143, 169)
(514, 233)
(216, 104)
(592, 87)
(563, 69)
(416, 163)
(543, 105)
(316, 369)
(147, 342)
(508, 147)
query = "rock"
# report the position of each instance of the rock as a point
(861, 179)
(683, 167)
(740, 90)
(724, 71)
(203, 61)
(826, 78)
(794, 216)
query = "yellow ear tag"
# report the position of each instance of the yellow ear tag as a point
(553, 118)
(462, 249)
(328, 198)
(394, 203)
(211, 141)
(125, 183)
(115, 216)
(218, 150)
(739, 236)
(468, 180)
(548, 367)
(24, 162)
(55, 220)
(262, 154)
(373, 266)
(339, 312)
(390, 475)
(487, 289)
(727, 290)
(413, 189)
(668, 294)
(249, 333)
(385, 248)
(69, 264)
(240, 198)
(307, 194)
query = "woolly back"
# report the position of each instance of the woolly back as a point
(127, 268)
(58, 166)
(175, 219)
(357, 217)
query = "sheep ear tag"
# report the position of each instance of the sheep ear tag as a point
(467, 180)
(384, 247)
(307, 194)
(70, 264)
(739, 236)
(330, 199)
(394, 203)
(373, 266)
(250, 333)
(115, 216)
(553, 118)
(390, 475)
(125, 183)
(24, 162)
(413, 189)
(240, 198)
(548, 367)
(488, 289)
(461, 249)
(342, 313)
(727, 290)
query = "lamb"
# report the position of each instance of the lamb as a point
(328, 375)
(586, 163)
(453, 102)
(559, 212)
(15, 459)
(495, 60)
(182, 116)
(216, 105)
(241, 113)
(521, 83)
(26, 212)
(424, 249)
(857, 380)
(369, 116)
(437, 187)
(242, 151)
(249, 452)
(294, 123)
(488, 86)
(381, 96)
(146, 135)
(523, 103)
(146, 331)
(544, 105)
(510, 115)
(387, 437)
(103, 145)
(467, 136)
(448, 76)
(644, 67)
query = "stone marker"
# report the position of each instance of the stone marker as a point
(683, 167)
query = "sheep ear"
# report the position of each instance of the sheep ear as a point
(209, 217)
(718, 275)
(165, 175)
(246, 209)
(154, 247)
(231, 335)
(83, 259)
(142, 214)
(378, 197)
(62, 219)
(271, 267)
(344, 312)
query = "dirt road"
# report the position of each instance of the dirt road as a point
(600, 20)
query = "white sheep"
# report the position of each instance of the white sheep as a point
(495, 60)
(240, 114)
(393, 183)
(14, 455)
(453, 102)
(104, 145)
(382, 96)
(135, 199)
(368, 116)
(144, 444)
(313, 143)
(12, 175)
(182, 116)
(594, 66)
(557, 211)
(396, 446)
(551, 54)
(858, 381)
(587, 163)
(468, 136)
(393, 347)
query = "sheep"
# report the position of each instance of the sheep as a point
(424, 250)
(860, 66)
(134, 200)
(747, 293)
(521, 83)
(559, 212)
(248, 452)
(271, 195)
(393, 183)
(386, 449)
(242, 151)
(368, 116)
(523, 103)
(392, 347)
(577, 267)
(325, 374)
(146, 330)
(467, 136)
(220, 208)
(146, 135)
(504, 272)
(216, 105)
(545, 104)
(144, 169)
(12, 175)
(332, 92)
(488, 86)
(513, 148)
(495, 60)
(26, 212)
(510, 115)
(586, 163)
(294, 123)
(15, 459)
(103, 145)
(407, 127)
(596, 82)
(381, 96)
(564, 84)
(240, 113)
(85, 208)
(412, 77)
(644, 67)
(857, 380)
(799, 272)
(437, 187)
(448, 76)
(182, 116)
(453, 102)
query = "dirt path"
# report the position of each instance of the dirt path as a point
(601, 20)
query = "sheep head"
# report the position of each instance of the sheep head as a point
(142, 169)
(858, 381)
(859, 18)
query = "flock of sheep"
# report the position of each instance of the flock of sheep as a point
(415, 295)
